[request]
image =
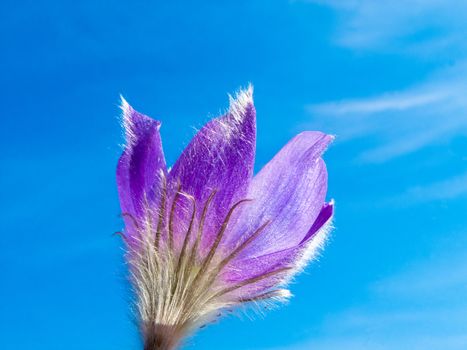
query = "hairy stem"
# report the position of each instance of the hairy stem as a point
(162, 337)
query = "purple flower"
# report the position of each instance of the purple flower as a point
(206, 235)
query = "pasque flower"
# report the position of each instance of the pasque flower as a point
(207, 235)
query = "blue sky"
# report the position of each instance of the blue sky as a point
(388, 78)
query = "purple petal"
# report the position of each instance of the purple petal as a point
(288, 261)
(219, 158)
(271, 270)
(289, 192)
(323, 217)
(246, 268)
(141, 166)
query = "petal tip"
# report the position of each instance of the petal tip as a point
(246, 93)
(317, 142)
(328, 210)
(327, 140)
(135, 123)
(127, 110)
(127, 122)
(123, 103)
(242, 104)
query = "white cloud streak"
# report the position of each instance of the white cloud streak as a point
(451, 188)
(402, 122)
(408, 120)
(395, 101)
(418, 27)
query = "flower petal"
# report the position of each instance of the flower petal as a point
(219, 158)
(286, 262)
(141, 166)
(323, 218)
(289, 192)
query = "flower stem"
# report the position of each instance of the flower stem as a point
(162, 337)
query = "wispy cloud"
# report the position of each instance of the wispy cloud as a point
(444, 275)
(401, 122)
(446, 189)
(415, 26)
(394, 101)
(404, 121)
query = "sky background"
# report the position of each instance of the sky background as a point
(388, 78)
